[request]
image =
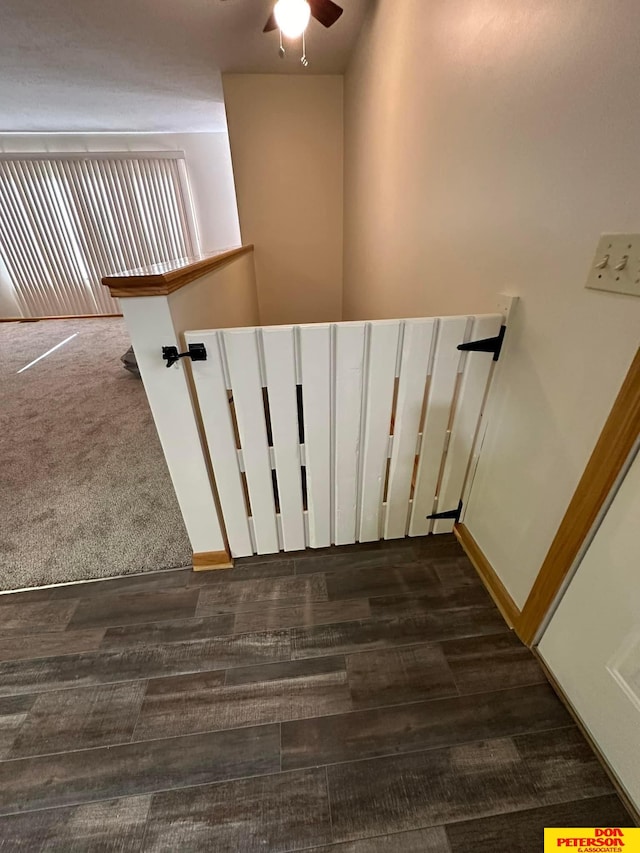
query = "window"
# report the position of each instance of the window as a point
(68, 220)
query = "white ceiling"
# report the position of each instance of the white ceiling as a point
(144, 65)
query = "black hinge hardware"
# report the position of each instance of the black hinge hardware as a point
(196, 352)
(493, 345)
(453, 514)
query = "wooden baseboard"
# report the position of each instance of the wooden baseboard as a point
(505, 604)
(209, 561)
(562, 696)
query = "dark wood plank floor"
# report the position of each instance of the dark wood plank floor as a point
(356, 700)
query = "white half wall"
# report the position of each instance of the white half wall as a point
(488, 144)
(224, 297)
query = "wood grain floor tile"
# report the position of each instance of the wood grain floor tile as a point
(245, 571)
(238, 596)
(36, 617)
(80, 719)
(427, 788)
(525, 829)
(199, 703)
(432, 840)
(169, 631)
(286, 669)
(435, 546)
(352, 560)
(481, 664)
(104, 827)
(563, 766)
(436, 598)
(271, 616)
(130, 609)
(99, 774)
(456, 573)
(10, 705)
(104, 667)
(147, 583)
(422, 725)
(381, 580)
(51, 644)
(387, 633)
(209, 711)
(13, 713)
(269, 814)
(395, 676)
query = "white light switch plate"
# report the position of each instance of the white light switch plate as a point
(613, 248)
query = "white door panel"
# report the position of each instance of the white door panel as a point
(592, 644)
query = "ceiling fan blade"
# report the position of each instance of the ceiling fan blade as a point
(325, 11)
(271, 24)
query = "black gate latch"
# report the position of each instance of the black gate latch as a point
(196, 352)
(493, 345)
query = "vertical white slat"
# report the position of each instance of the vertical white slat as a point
(280, 369)
(169, 183)
(213, 401)
(27, 184)
(467, 415)
(241, 346)
(347, 419)
(36, 235)
(68, 186)
(416, 350)
(168, 206)
(159, 219)
(380, 379)
(23, 266)
(315, 368)
(187, 208)
(120, 237)
(151, 232)
(88, 200)
(506, 305)
(134, 212)
(442, 387)
(69, 272)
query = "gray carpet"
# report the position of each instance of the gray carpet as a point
(84, 488)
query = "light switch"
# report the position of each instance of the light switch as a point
(616, 265)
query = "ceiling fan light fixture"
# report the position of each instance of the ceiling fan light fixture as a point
(292, 16)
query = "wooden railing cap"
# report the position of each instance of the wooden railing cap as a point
(164, 278)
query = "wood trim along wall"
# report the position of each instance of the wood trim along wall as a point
(207, 561)
(612, 450)
(162, 279)
(57, 317)
(505, 604)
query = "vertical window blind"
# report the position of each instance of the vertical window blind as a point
(68, 220)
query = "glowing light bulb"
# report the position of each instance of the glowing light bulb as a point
(292, 16)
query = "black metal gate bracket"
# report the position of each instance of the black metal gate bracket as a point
(493, 345)
(453, 514)
(196, 352)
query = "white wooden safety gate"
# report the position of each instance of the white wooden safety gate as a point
(340, 432)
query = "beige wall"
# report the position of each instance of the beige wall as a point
(224, 298)
(286, 146)
(487, 145)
